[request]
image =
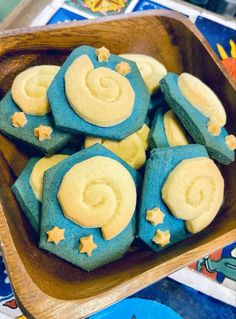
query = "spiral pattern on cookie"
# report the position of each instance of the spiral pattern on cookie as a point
(100, 96)
(200, 96)
(194, 192)
(98, 192)
(29, 89)
(131, 149)
(152, 71)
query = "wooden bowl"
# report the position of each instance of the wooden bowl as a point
(46, 286)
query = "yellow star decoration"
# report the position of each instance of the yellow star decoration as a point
(155, 216)
(123, 68)
(56, 234)
(87, 245)
(162, 238)
(213, 128)
(43, 132)
(102, 54)
(18, 119)
(230, 140)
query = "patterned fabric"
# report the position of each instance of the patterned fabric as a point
(219, 266)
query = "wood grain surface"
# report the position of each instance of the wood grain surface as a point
(46, 286)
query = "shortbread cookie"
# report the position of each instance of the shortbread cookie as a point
(200, 112)
(101, 101)
(200, 187)
(167, 130)
(29, 89)
(152, 71)
(92, 197)
(26, 133)
(28, 186)
(131, 149)
(194, 192)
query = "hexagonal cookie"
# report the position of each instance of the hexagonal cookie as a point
(158, 227)
(194, 120)
(25, 134)
(79, 243)
(67, 119)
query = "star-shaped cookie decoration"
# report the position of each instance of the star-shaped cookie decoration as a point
(87, 245)
(123, 68)
(230, 140)
(155, 216)
(162, 238)
(102, 54)
(55, 235)
(43, 132)
(213, 128)
(18, 119)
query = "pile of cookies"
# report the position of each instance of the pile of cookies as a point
(145, 168)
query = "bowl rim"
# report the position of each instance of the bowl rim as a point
(33, 296)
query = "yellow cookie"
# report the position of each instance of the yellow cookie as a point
(29, 89)
(99, 192)
(175, 133)
(200, 96)
(194, 192)
(100, 96)
(36, 177)
(131, 149)
(152, 71)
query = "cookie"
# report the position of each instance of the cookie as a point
(131, 149)
(89, 184)
(199, 184)
(28, 187)
(200, 112)
(152, 71)
(166, 129)
(38, 132)
(29, 89)
(101, 101)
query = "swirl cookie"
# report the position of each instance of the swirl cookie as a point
(106, 100)
(152, 71)
(166, 130)
(91, 197)
(28, 187)
(29, 89)
(200, 112)
(131, 149)
(182, 193)
(36, 131)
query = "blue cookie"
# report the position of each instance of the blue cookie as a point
(52, 215)
(137, 308)
(23, 191)
(158, 167)
(26, 133)
(65, 117)
(25, 196)
(195, 122)
(157, 136)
